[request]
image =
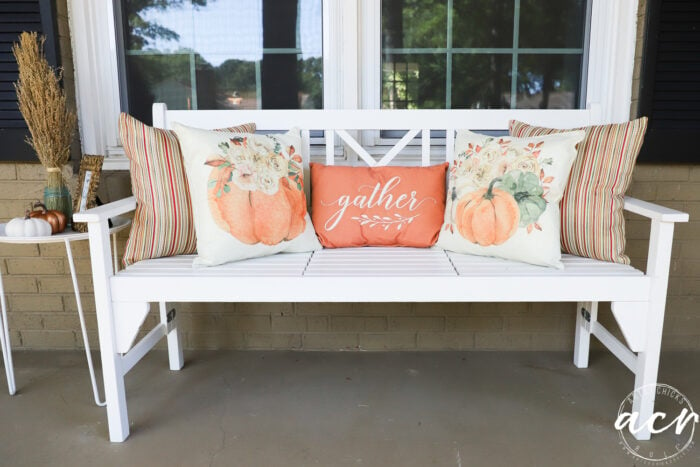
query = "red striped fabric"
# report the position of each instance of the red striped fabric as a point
(162, 224)
(592, 222)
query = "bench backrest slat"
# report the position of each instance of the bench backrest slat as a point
(338, 125)
(327, 119)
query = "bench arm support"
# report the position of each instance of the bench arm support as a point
(654, 211)
(104, 212)
(663, 220)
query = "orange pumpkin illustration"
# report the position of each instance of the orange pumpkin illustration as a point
(253, 216)
(488, 216)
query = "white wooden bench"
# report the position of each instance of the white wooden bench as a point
(378, 274)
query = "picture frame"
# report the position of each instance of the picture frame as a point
(88, 181)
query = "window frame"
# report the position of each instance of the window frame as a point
(351, 41)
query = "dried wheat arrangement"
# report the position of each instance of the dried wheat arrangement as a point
(42, 103)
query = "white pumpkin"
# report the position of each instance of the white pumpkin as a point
(27, 227)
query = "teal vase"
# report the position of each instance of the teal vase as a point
(60, 200)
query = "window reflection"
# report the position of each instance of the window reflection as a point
(414, 81)
(481, 81)
(222, 54)
(483, 53)
(548, 82)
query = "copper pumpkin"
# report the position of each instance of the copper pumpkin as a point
(57, 219)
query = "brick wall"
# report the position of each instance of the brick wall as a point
(43, 311)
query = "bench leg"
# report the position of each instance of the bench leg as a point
(586, 313)
(175, 356)
(115, 396)
(112, 372)
(646, 374)
(112, 362)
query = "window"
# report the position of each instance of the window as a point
(480, 54)
(543, 54)
(222, 54)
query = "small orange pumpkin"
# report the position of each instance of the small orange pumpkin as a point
(488, 216)
(57, 219)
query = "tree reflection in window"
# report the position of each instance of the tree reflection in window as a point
(483, 53)
(222, 54)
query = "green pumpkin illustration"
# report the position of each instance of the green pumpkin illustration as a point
(527, 191)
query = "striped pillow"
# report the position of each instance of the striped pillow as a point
(162, 224)
(592, 223)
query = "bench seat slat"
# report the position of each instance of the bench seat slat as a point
(387, 273)
(187, 259)
(379, 262)
(404, 261)
(376, 288)
(291, 272)
(468, 265)
(287, 264)
(377, 274)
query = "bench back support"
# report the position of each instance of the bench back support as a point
(338, 125)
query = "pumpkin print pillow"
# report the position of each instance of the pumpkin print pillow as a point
(377, 206)
(503, 196)
(247, 194)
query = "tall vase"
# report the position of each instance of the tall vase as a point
(56, 194)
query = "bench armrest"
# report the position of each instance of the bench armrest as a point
(106, 211)
(654, 211)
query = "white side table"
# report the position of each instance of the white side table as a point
(66, 238)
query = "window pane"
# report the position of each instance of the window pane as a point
(548, 82)
(483, 23)
(552, 23)
(413, 81)
(237, 78)
(473, 48)
(481, 81)
(414, 23)
(222, 54)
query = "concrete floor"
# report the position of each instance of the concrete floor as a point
(298, 409)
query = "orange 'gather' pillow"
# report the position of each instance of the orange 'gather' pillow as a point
(377, 206)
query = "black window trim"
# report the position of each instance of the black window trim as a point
(15, 148)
